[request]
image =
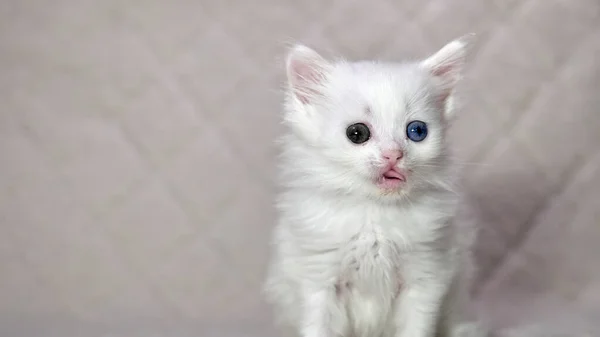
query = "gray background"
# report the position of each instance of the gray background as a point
(136, 137)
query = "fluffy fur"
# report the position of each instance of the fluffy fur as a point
(350, 258)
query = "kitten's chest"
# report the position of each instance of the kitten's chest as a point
(370, 251)
(370, 259)
(362, 243)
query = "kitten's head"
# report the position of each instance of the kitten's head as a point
(367, 127)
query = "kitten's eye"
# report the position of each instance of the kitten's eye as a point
(416, 131)
(358, 133)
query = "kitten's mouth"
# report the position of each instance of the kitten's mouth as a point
(391, 179)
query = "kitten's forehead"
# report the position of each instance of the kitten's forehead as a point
(388, 90)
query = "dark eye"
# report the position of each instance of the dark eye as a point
(416, 131)
(358, 133)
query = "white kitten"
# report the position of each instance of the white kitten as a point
(366, 245)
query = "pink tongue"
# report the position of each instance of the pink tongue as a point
(391, 174)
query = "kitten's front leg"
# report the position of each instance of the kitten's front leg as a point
(419, 308)
(428, 276)
(317, 313)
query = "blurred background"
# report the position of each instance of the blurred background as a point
(138, 158)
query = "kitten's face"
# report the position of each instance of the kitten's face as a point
(372, 128)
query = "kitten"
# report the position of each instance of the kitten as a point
(366, 245)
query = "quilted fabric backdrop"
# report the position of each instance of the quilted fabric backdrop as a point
(136, 137)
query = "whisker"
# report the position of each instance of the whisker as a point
(453, 163)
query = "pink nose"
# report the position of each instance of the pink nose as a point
(392, 156)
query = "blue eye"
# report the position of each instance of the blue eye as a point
(416, 131)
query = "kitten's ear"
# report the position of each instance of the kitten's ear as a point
(306, 73)
(448, 63)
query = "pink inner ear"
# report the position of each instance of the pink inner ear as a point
(447, 73)
(440, 100)
(442, 70)
(305, 78)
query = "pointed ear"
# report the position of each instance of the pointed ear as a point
(306, 73)
(447, 64)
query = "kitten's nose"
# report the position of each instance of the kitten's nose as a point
(392, 156)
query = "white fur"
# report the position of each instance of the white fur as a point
(350, 260)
